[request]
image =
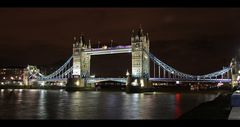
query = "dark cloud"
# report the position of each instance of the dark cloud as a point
(193, 40)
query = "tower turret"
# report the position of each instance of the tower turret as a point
(89, 44)
(82, 40)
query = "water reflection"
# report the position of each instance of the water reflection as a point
(42, 105)
(177, 106)
(59, 104)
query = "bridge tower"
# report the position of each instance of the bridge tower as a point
(26, 76)
(81, 62)
(234, 71)
(140, 60)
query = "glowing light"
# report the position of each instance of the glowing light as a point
(135, 83)
(77, 83)
(42, 83)
(92, 76)
(127, 74)
(2, 83)
(20, 83)
(237, 91)
(61, 84)
(177, 82)
(142, 83)
(238, 71)
(146, 56)
(219, 84)
(4, 77)
(12, 78)
(104, 47)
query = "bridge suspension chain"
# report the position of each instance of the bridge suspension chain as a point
(173, 73)
(60, 72)
(169, 69)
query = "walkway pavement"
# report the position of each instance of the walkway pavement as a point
(234, 114)
(235, 103)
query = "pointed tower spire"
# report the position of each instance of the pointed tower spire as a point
(140, 31)
(81, 42)
(81, 38)
(147, 37)
(75, 41)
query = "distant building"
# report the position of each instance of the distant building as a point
(11, 76)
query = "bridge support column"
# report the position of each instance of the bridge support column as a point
(75, 83)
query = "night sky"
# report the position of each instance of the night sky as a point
(192, 40)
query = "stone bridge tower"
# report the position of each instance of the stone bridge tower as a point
(235, 72)
(81, 62)
(140, 60)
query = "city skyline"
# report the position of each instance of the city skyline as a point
(44, 36)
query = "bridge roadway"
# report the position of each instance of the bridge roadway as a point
(123, 80)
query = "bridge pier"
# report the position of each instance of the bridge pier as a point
(133, 85)
(75, 83)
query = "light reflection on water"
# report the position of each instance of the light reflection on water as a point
(59, 104)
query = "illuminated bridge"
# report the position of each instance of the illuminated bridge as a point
(77, 68)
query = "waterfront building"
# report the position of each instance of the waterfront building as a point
(11, 76)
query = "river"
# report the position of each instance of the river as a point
(59, 104)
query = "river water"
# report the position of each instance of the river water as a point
(59, 104)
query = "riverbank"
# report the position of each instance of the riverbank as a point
(219, 108)
(118, 89)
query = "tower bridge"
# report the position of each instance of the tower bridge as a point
(76, 70)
